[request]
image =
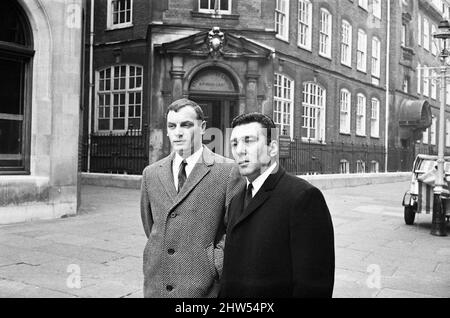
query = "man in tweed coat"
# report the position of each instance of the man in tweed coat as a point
(183, 201)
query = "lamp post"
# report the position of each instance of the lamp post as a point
(438, 227)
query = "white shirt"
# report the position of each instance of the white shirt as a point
(191, 161)
(258, 182)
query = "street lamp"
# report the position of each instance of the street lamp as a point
(438, 227)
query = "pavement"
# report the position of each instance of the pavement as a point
(98, 253)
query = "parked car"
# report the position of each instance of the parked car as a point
(419, 198)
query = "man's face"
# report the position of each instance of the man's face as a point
(250, 150)
(185, 131)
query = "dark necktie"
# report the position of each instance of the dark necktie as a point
(248, 195)
(181, 175)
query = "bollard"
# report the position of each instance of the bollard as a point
(438, 226)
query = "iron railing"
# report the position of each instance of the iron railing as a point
(125, 153)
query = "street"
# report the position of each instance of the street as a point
(99, 252)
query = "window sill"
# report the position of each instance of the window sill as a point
(311, 141)
(325, 56)
(375, 137)
(119, 27)
(225, 16)
(306, 48)
(362, 71)
(345, 133)
(346, 65)
(361, 135)
(279, 37)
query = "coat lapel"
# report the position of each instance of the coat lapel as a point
(166, 177)
(201, 169)
(263, 194)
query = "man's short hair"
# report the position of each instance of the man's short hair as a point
(265, 121)
(183, 102)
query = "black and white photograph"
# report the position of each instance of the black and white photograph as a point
(224, 154)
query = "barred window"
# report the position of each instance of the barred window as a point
(376, 8)
(361, 53)
(375, 118)
(120, 13)
(314, 99)
(119, 98)
(304, 24)
(360, 166)
(282, 19)
(361, 115)
(325, 33)
(426, 34)
(345, 111)
(344, 166)
(283, 108)
(363, 4)
(215, 6)
(426, 82)
(346, 44)
(374, 166)
(376, 55)
(433, 131)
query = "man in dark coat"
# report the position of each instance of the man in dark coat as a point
(280, 240)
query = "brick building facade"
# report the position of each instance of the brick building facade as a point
(317, 67)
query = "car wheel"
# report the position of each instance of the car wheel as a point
(410, 214)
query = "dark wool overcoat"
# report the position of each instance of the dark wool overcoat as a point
(282, 244)
(183, 256)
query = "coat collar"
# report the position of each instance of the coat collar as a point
(261, 196)
(200, 170)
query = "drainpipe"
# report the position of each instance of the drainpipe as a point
(91, 83)
(388, 47)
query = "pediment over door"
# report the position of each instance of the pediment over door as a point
(216, 43)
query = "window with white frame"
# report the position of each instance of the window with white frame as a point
(283, 108)
(361, 115)
(425, 136)
(376, 55)
(376, 8)
(361, 58)
(447, 95)
(346, 43)
(433, 131)
(434, 42)
(375, 118)
(419, 28)
(345, 118)
(314, 100)
(403, 36)
(360, 166)
(426, 82)
(282, 19)
(215, 6)
(344, 166)
(119, 98)
(326, 21)
(419, 78)
(374, 166)
(447, 133)
(426, 34)
(433, 84)
(120, 13)
(406, 84)
(363, 4)
(304, 24)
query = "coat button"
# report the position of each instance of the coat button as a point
(173, 215)
(171, 251)
(169, 287)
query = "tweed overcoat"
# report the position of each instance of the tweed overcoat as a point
(183, 256)
(282, 244)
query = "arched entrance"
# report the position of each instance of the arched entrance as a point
(216, 91)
